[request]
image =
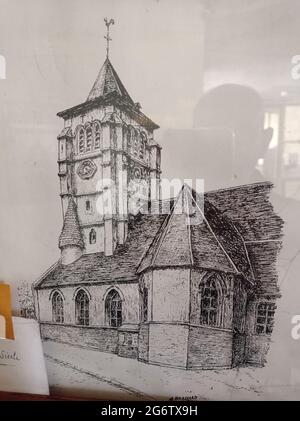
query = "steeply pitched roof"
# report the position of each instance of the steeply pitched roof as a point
(194, 234)
(71, 234)
(231, 246)
(107, 90)
(250, 209)
(97, 268)
(263, 256)
(107, 82)
(211, 240)
(171, 246)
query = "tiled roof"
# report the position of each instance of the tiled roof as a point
(109, 99)
(214, 238)
(107, 90)
(250, 209)
(71, 234)
(228, 238)
(95, 268)
(263, 256)
(107, 82)
(200, 237)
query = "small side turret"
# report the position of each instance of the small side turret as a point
(70, 241)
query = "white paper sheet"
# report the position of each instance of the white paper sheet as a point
(2, 327)
(22, 365)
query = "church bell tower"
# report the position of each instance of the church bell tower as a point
(105, 151)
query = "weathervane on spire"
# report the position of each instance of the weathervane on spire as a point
(107, 37)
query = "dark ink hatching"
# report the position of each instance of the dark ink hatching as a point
(158, 287)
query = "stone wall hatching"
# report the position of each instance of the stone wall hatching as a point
(209, 348)
(102, 339)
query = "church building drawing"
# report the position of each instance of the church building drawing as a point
(186, 285)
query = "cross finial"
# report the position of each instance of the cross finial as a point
(107, 37)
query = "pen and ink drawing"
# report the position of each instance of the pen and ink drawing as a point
(188, 282)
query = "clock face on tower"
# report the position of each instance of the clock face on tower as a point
(86, 169)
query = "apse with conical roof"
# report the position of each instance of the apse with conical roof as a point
(196, 234)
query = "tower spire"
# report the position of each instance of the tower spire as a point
(107, 37)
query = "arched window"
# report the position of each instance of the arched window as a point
(113, 308)
(92, 236)
(129, 138)
(136, 144)
(57, 308)
(145, 305)
(81, 140)
(143, 146)
(88, 205)
(210, 302)
(158, 159)
(265, 317)
(133, 141)
(113, 136)
(97, 129)
(82, 310)
(89, 136)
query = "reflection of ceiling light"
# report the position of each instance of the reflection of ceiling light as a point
(283, 93)
(260, 162)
